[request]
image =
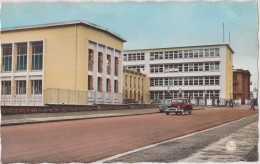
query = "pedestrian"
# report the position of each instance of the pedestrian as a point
(226, 102)
(218, 102)
(232, 103)
(253, 103)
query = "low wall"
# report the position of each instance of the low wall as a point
(58, 108)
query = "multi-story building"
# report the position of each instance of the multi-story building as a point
(241, 85)
(194, 71)
(136, 86)
(65, 63)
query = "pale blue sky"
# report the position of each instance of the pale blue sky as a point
(153, 24)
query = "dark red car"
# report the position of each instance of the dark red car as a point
(179, 106)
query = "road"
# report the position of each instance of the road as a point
(95, 139)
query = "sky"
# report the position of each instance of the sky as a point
(155, 24)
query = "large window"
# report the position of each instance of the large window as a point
(99, 84)
(90, 82)
(7, 57)
(21, 56)
(21, 87)
(100, 62)
(37, 55)
(36, 87)
(90, 59)
(116, 66)
(6, 87)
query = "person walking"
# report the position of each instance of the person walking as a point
(253, 104)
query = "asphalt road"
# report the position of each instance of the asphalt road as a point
(91, 140)
(207, 146)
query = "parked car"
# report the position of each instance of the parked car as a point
(179, 106)
(166, 104)
(156, 101)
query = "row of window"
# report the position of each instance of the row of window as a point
(100, 62)
(135, 68)
(184, 54)
(21, 51)
(134, 57)
(191, 67)
(36, 87)
(209, 94)
(133, 82)
(210, 80)
(99, 84)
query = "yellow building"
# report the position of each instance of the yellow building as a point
(136, 87)
(69, 63)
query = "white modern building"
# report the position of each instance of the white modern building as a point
(187, 72)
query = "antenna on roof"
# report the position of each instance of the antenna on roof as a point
(223, 33)
(229, 39)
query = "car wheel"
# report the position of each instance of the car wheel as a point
(189, 112)
(167, 113)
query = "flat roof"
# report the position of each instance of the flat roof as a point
(210, 45)
(64, 24)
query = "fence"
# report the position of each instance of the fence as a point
(31, 97)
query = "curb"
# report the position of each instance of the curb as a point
(73, 119)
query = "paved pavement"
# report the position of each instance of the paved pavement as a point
(7, 120)
(51, 117)
(232, 142)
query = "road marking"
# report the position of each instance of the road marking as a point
(153, 145)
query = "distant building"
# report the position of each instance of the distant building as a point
(241, 85)
(191, 71)
(136, 87)
(61, 63)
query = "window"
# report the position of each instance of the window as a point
(99, 84)
(217, 52)
(108, 85)
(37, 55)
(196, 53)
(100, 62)
(116, 66)
(180, 54)
(186, 54)
(206, 66)
(6, 88)
(130, 81)
(36, 87)
(108, 64)
(142, 56)
(7, 57)
(125, 57)
(201, 81)
(190, 53)
(190, 67)
(21, 56)
(206, 80)
(186, 81)
(186, 67)
(212, 53)
(115, 86)
(90, 59)
(206, 52)
(90, 82)
(152, 56)
(20, 87)
(201, 53)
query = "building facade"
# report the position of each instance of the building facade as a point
(195, 71)
(136, 87)
(61, 63)
(241, 85)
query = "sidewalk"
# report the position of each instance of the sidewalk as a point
(7, 120)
